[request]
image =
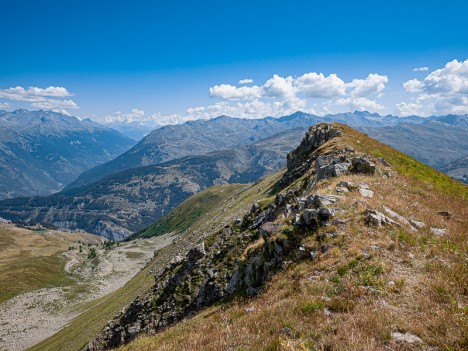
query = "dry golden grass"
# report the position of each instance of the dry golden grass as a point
(413, 281)
(32, 260)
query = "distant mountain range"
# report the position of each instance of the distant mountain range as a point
(136, 188)
(130, 200)
(133, 130)
(42, 151)
(201, 136)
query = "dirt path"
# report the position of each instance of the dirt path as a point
(32, 317)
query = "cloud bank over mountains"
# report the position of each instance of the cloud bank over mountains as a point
(442, 91)
(41, 98)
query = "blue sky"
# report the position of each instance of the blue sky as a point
(160, 59)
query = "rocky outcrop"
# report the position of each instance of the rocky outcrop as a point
(242, 256)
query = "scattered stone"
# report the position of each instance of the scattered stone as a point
(333, 170)
(369, 194)
(350, 186)
(439, 231)
(383, 161)
(417, 224)
(398, 217)
(406, 338)
(339, 189)
(250, 309)
(377, 218)
(322, 200)
(363, 165)
(366, 255)
(327, 312)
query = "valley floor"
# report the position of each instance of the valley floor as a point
(91, 272)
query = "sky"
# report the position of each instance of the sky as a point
(172, 61)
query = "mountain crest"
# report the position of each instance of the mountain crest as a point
(242, 255)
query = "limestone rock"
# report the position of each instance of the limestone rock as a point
(406, 338)
(377, 218)
(439, 231)
(363, 165)
(369, 194)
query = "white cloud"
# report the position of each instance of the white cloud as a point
(374, 83)
(230, 92)
(33, 94)
(4, 105)
(360, 103)
(53, 104)
(316, 85)
(442, 91)
(408, 109)
(452, 79)
(246, 81)
(279, 87)
(136, 115)
(412, 86)
(420, 69)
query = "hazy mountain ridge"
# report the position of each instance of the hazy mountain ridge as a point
(130, 200)
(201, 136)
(41, 151)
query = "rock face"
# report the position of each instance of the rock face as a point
(240, 256)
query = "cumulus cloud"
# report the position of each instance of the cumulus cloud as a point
(135, 115)
(374, 83)
(420, 69)
(412, 86)
(230, 92)
(246, 81)
(360, 103)
(33, 94)
(316, 85)
(279, 87)
(442, 91)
